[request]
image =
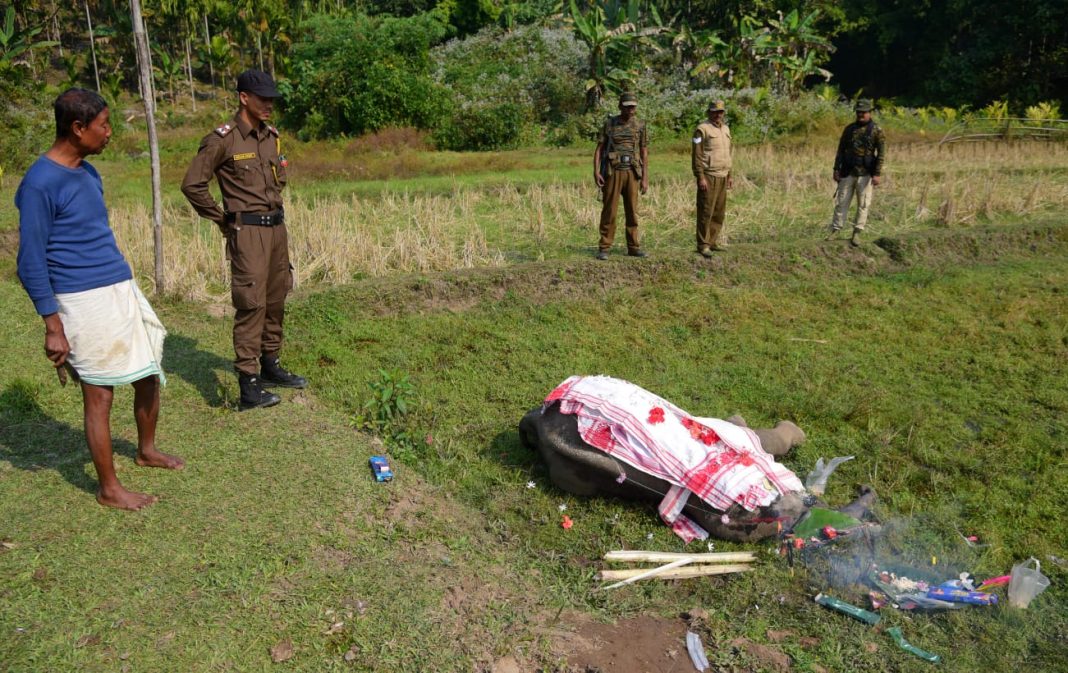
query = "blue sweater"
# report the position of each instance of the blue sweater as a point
(65, 242)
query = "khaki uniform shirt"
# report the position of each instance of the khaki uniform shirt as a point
(623, 142)
(712, 151)
(249, 166)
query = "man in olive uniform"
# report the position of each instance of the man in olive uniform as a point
(245, 157)
(711, 162)
(858, 167)
(621, 167)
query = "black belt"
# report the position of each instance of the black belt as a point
(271, 219)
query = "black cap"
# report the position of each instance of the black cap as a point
(257, 82)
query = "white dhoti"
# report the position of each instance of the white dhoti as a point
(115, 337)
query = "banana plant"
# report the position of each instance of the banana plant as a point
(608, 29)
(219, 53)
(14, 41)
(736, 62)
(797, 50)
(168, 68)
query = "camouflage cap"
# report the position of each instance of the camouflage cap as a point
(717, 106)
(863, 105)
(627, 99)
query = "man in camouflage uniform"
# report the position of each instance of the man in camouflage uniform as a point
(245, 157)
(858, 167)
(621, 167)
(711, 162)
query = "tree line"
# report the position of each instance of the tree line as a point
(916, 51)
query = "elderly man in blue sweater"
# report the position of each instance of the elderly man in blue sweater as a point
(97, 322)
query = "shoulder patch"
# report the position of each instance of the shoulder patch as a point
(224, 130)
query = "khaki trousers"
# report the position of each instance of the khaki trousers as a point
(260, 279)
(621, 183)
(711, 209)
(847, 186)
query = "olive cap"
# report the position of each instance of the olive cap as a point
(257, 82)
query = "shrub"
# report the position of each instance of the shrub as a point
(487, 127)
(351, 75)
(510, 82)
(29, 127)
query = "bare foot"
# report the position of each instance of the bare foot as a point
(155, 458)
(120, 498)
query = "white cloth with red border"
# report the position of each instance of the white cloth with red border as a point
(721, 463)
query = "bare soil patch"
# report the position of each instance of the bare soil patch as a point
(644, 644)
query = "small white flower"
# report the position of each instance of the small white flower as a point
(562, 507)
(649, 536)
(530, 484)
(725, 519)
(711, 546)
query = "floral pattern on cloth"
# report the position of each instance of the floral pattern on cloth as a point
(721, 463)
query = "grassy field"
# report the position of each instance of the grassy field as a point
(940, 366)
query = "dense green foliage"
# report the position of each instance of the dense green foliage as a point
(505, 84)
(359, 74)
(521, 71)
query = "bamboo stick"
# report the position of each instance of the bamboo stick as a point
(634, 556)
(642, 574)
(676, 573)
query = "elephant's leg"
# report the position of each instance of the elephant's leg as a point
(779, 440)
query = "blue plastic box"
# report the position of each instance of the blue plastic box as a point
(381, 469)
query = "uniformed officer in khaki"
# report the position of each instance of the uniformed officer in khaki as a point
(621, 168)
(711, 161)
(245, 156)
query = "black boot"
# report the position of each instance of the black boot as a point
(253, 395)
(272, 374)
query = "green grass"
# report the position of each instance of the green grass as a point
(943, 373)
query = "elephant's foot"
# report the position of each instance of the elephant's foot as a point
(737, 420)
(779, 440)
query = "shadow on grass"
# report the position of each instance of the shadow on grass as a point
(196, 367)
(32, 440)
(507, 449)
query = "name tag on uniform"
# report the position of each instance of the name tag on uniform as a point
(246, 155)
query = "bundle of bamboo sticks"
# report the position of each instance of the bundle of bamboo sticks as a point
(675, 565)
